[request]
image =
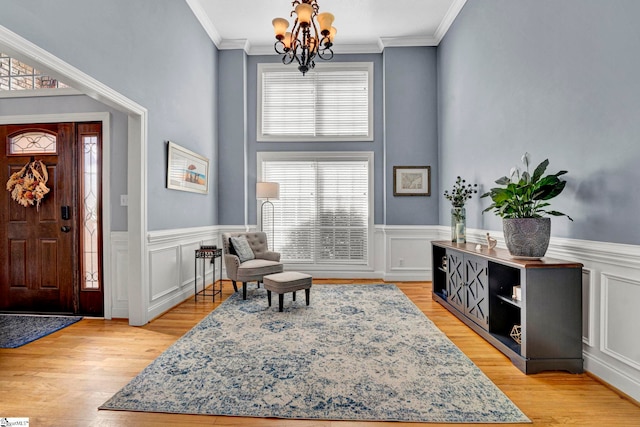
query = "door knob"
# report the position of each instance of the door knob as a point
(65, 228)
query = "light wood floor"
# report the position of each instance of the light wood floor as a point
(60, 380)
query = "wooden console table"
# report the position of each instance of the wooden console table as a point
(478, 286)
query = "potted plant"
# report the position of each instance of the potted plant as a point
(522, 204)
(459, 195)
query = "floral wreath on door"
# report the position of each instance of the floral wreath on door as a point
(28, 186)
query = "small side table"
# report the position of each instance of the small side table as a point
(205, 254)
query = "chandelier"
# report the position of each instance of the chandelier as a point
(304, 42)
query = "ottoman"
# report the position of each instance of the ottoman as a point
(288, 281)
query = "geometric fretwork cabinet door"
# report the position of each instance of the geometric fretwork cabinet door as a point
(455, 280)
(477, 290)
(468, 286)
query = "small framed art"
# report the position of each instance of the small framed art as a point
(186, 170)
(412, 180)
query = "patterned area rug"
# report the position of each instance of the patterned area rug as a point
(17, 330)
(358, 352)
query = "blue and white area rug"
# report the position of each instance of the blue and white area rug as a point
(17, 330)
(358, 352)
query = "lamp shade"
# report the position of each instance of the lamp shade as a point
(304, 12)
(267, 190)
(332, 33)
(325, 20)
(287, 39)
(280, 27)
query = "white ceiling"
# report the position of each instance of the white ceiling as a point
(364, 26)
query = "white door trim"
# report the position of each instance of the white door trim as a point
(138, 276)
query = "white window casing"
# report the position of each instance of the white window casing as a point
(333, 102)
(324, 216)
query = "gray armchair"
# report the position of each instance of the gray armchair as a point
(266, 262)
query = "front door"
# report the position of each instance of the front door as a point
(40, 242)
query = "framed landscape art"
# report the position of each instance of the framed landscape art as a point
(412, 180)
(186, 170)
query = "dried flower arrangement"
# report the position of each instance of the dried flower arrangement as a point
(28, 186)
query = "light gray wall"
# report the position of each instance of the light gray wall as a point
(411, 138)
(558, 79)
(84, 104)
(155, 53)
(232, 137)
(411, 129)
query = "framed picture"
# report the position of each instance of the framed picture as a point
(186, 170)
(412, 180)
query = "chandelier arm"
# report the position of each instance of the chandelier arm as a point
(316, 8)
(316, 33)
(287, 59)
(295, 32)
(324, 56)
(279, 47)
(325, 42)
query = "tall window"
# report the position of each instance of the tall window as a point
(16, 75)
(324, 213)
(330, 103)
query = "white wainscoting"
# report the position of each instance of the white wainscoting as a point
(611, 297)
(611, 283)
(407, 252)
(118, 295)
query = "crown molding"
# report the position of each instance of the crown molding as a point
(230, 44)
(203, 18)
(408, 41)
(448, 19)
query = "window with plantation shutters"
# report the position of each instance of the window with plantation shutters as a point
(323, 214)
(330, 103)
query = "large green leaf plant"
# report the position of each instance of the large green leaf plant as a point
(525, 195)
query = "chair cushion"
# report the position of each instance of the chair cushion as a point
(255, 269)
(242, 248)
(287, 281)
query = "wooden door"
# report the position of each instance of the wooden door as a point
(38, 246)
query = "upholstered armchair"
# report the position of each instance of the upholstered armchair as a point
(240, 269)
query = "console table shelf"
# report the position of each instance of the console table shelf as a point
(508, 300)
(477, 286)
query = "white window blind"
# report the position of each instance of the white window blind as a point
(322, 215)
(332, 103)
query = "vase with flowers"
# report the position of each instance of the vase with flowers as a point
(461, 192)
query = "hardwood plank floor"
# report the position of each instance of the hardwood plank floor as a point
(60, 380)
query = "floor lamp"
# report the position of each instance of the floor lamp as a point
(266, 191)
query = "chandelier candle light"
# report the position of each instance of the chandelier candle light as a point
(304, 42)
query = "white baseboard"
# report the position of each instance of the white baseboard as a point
(613, 375)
